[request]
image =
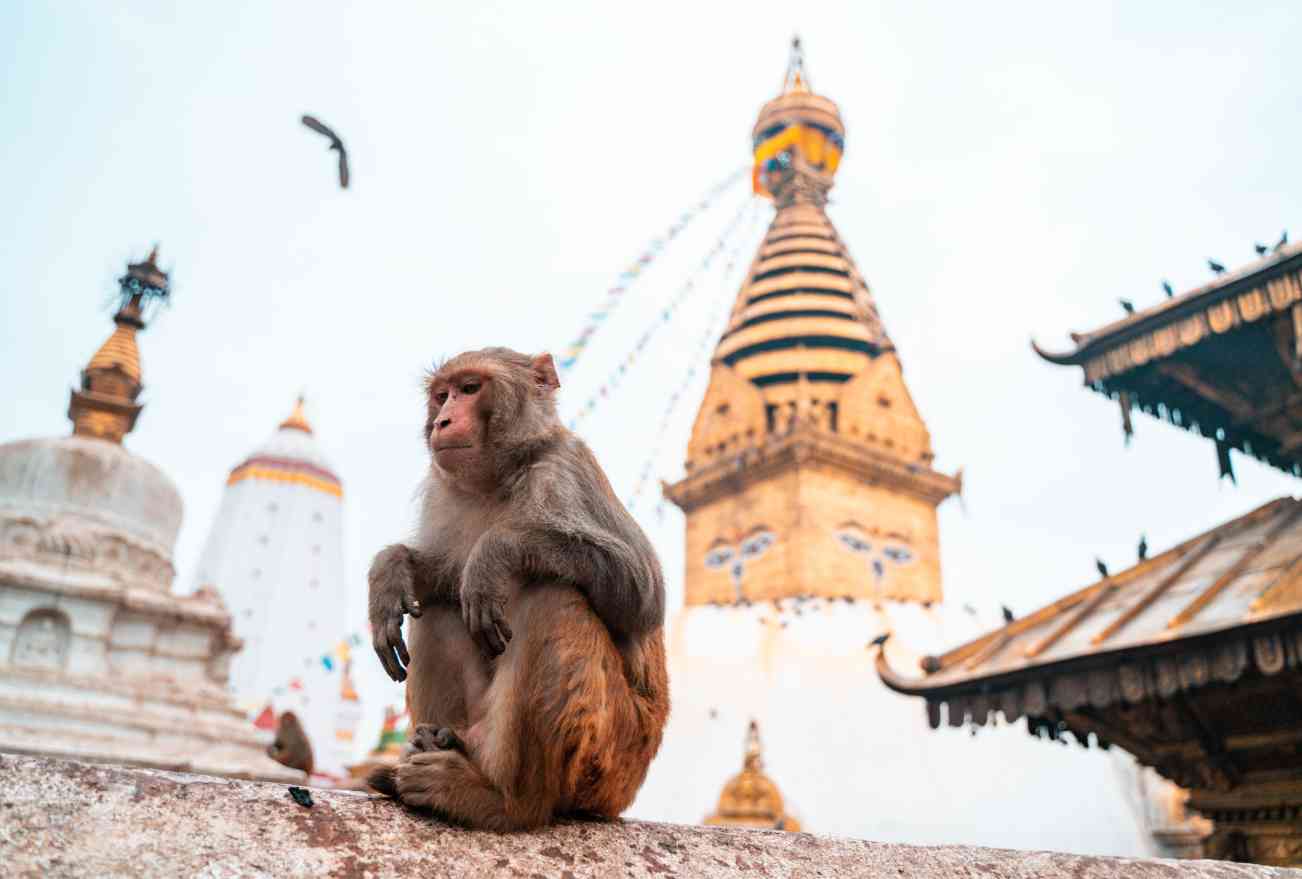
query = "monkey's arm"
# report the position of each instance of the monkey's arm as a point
(624, 586)
(402, 580)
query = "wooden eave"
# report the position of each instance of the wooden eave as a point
(1275, 277)
(1188, 598)
(1224, 361)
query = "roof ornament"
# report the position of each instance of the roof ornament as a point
(105, 405)
(796, 80)
(297, 419)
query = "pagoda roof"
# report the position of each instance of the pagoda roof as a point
(1223, 359)
(1189, 611)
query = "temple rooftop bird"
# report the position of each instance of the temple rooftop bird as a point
(1223, 359)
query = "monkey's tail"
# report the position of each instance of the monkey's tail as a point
(384, 780)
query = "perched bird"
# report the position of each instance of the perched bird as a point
(1103, 569)
(880, 640)
(1215, 267)
(1008, 614)
(335, 144)
(1283, 239)
(1166, 286)
(1143, 547)
(1127, 305)
(1260, 248)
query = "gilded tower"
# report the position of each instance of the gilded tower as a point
(809, 467)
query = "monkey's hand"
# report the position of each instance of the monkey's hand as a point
(483, 607)
(393, 594)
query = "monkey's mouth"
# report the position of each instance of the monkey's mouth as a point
(448, 447)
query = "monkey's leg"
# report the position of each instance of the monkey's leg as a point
(447, 783)
(448, 673)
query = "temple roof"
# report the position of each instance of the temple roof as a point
(1092, 345)
(1223, 360)
(1241, 577)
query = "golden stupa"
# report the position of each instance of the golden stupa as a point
(809, 467)
(750, 798)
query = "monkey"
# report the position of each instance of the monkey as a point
(536, 677)
(291, 746)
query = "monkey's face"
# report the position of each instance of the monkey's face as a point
(459, 406)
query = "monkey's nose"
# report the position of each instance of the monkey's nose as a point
(444, 423)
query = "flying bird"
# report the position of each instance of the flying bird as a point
(1260, 248)
(1103, 569)
(1008, 614)
(1166, 285)
(1127, 305)
(1283, 239)
(1215, 267)
(335, 144)
(879, 640)
(1143, 547)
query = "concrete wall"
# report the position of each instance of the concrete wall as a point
(71, 819)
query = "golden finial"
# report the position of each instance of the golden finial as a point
(796, 79)
(297, 419)
(754, 762)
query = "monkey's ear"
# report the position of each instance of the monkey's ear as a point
(544, 372)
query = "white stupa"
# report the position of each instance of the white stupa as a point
(810, 500)
(99, 659)
(275, 554)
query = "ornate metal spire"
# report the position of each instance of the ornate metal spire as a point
(297, 419)
(105, 406)
(797, 80)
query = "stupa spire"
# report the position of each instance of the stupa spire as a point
(105, 406)
(809, 467)
(297, 419)
(796, 79)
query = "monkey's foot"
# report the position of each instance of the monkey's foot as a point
(427, 737)
(449, 785)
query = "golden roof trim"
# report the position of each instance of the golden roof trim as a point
(807, 446)
(1244, 297)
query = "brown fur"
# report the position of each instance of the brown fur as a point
(537, 609)
(291, 746)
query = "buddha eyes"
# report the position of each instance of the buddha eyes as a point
(756, 545)
(853, 542)
(718, 558)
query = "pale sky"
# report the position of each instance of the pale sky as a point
(1011, 170)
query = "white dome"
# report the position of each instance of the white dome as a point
(293, 444)
(95, 480)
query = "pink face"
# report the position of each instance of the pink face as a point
(458, 406)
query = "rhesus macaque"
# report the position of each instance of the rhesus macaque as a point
(536, 678)
(291, 747)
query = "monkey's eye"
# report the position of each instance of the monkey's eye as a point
(441, 397)
(470, 388)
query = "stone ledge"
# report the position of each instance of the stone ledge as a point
(62, 818)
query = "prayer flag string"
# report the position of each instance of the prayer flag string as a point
(571, 352)
(697, 359)
(689, 286)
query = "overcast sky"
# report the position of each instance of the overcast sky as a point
(1011, 170)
